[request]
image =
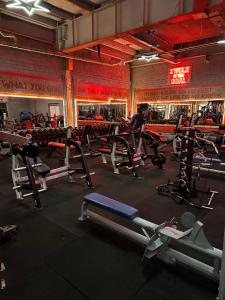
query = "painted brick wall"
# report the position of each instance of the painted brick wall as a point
(16, 105)
(102, 75)
(203, 73)
(17, 61)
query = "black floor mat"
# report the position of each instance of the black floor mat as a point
(92, 264)
(56, 257)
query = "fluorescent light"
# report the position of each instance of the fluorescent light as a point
(221, 42)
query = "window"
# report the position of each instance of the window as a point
(54, 109)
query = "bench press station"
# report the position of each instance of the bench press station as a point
(157, 238)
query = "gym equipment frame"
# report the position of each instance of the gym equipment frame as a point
(162, 240)
(44, 173)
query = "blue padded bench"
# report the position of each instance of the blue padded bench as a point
(109, 204)
(206, 159)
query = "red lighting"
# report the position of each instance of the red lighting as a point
(180, 75)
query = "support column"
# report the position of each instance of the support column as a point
(132, 93)
(69, 92)
(223, 120)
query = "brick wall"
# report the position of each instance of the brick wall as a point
(27, 73)
(203, 73)
(22, 62)
(102, 75)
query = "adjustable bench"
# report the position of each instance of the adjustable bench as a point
(111, 205)
(158, 136)
(55, 146)
(59, 145)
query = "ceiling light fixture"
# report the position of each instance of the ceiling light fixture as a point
(221, 42)
(28, 6)
(149, 57)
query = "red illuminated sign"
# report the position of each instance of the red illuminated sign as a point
(180, 75)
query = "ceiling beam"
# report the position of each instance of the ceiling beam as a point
(120, 47)
(60, 13)
(27, 30)
(146, 38)
(85, 4)
(157, 42)
(133, 40)
(93, 54)
(111, 52)
(36, 19)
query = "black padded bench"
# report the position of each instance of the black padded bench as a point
(111, 205)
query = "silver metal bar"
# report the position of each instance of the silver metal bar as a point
(58, 170)
(83, 176)
(24, 168)
(31, 193)
(174, 256)
(132, 235)
(55, 176)
(168, 255)
(27, 195)
(214, 252)
(78, 156)
(209, 170)
(221, 295)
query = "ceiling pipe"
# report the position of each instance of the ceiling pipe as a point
(180, 51)
(189, 58)
(13, 34)
(10, 36)
(60, 56)
(27, 19)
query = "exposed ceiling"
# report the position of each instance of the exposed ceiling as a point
(60, 11)
(187, 35)
(193, 34)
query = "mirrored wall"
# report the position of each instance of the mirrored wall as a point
(204, 112)
(90, 110)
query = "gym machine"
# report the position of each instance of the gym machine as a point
(131, 155)
(8, 230)
(183, 190)
(121, 153)
(146, 140)
(42, 173)
(83, 137)
(163, 241)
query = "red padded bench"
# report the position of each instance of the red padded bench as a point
(60, 145)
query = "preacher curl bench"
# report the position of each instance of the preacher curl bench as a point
(162, 240)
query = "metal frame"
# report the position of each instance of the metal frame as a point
(118, 161)
(158, 243)
(18, 178)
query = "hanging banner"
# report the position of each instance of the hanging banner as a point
(183, 94)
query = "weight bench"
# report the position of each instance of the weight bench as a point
(58, 147)
(111, 205)
(158, 136)
(202, 159)
(157, 238)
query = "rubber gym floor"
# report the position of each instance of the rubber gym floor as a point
(54, 256)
